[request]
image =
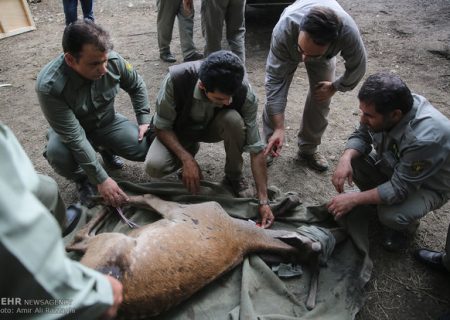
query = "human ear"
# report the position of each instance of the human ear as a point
(70, 59)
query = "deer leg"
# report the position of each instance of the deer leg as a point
(81, 238)
(149, 201)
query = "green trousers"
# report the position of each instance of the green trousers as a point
(401, 216)
(227, 125)
(120, 137)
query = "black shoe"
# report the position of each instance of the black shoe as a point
(73, 215)
(86, 193)
(167, 57)
(395, 241)
(193, 57)
(431, 258)
(111, 160)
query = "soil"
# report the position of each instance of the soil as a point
(408, 37)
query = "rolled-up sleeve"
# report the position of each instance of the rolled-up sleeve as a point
(355, 57)
(254, 144)
(280, 69)
(360, 140)
(165, 106)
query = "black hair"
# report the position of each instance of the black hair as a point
(322, 25)
(82, 32)
(387, 92)
(222, 71)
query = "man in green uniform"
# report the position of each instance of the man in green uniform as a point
(209, 102)
(76, 92)
(399, 157)
(34, 266)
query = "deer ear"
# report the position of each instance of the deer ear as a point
(79, 247)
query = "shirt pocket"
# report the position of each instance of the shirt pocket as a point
(104, 98)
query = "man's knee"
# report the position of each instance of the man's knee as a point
(233, 123)
(396, 219)
(155, 169)
(60, 158)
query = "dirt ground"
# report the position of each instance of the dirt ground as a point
(408, 37)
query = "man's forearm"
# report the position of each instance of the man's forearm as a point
(170, 140)
(350, 154)
(277, 121)
(367, 197)
(259, 170)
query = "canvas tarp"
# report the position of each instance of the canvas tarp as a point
(252, 290)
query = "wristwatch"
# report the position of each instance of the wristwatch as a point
(263, 202)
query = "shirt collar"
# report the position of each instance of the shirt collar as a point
(75, 79)
(199, 93)
(399, 129)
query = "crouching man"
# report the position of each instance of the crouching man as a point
(209, 102)
(398, 157)
(76, 92)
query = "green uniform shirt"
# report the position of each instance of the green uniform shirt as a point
(202, 112)
(415, 153)
(34, 265)
(74, 106)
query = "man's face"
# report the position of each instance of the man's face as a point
(308, 48)
(376, 121)
(91, 64)
(218, 98)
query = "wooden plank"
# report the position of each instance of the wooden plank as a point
(15, 18)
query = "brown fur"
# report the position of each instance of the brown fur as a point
(165, 262)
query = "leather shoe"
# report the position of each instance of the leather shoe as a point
(73, 215)
(193, 57)
(86, 192)
(431, 258)
(167, 57)
(315, 161)
(111, 160)
(395, 241)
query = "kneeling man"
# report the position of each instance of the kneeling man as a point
(398, 157)
(209, 102)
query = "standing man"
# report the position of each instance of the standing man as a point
(167, 11)
(214, 14)
(313, 32)
(209, 102)
(34, 264)
(76, 92)
(71, 10)
(398, 157)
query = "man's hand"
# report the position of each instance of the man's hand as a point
(143, 128)
(111, 193)
(267, 217)
(323, 91)
(275, 143)
(342, 204)
(117, 289)
(192, 176)
(343, 172)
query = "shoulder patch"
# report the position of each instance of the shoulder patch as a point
(418, 166)
(128, 66)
